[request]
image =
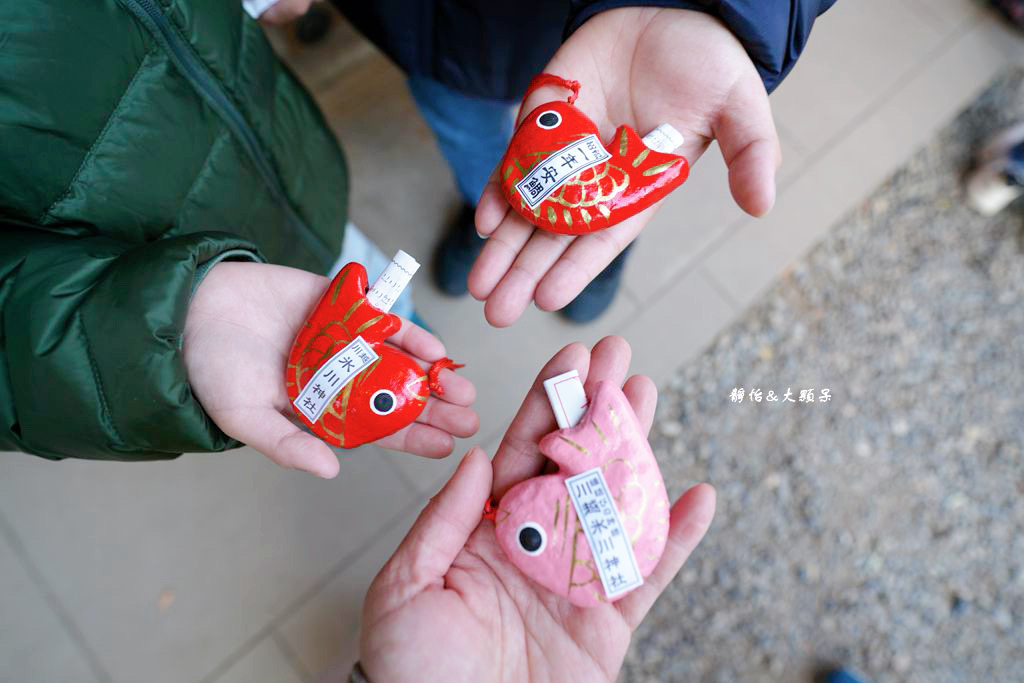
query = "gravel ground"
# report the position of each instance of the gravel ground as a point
(883, 529)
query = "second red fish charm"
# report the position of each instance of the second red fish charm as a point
(558, 175)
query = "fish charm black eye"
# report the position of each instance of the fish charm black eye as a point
(532, 539)
(549, 119)
(383, 402)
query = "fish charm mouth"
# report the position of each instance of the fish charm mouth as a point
(559, 176)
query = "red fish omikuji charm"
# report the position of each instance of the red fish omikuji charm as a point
(559, 176)
(345, 383)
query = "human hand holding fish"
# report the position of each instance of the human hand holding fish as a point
(239, 332)
(636, 67)
(499, 621)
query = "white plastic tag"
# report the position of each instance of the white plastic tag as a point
(392, 281)
(567, 399)
(609, 543)
(548, 175)
(256, 8)
(321, 390)
(664, 138)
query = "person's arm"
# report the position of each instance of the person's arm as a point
(91, 342)
(133, 352)
(773, 32)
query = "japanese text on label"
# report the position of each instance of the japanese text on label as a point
(609, 543)
(550, 174)
(332, 377)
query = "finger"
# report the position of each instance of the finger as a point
(643, 396)
(498, 255)
(420, 439)
(690, 518)
(456, 420)
(436, 538)
(750, 146)
(585, 258)
(514, 292)
(517, 456)
(609, 362)
(491, 209)
(276, 437)
(417, 341)
(457, 389)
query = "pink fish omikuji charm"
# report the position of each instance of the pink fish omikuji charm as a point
(384, 397)
(536, 522)
(559, 176)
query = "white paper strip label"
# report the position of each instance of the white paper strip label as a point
(609, 543)
(567, 399)
(392, 282)
(256, 8)
(548, 175)
(331, 378)
(664, 138)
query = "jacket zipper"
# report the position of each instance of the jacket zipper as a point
(211, 90)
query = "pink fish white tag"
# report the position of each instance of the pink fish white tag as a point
(567, 398)
(605, 533)
(592, 499)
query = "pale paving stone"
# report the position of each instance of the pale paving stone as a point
(676, 326)
(324, 631)
(856, 51)
(264, 663)
(750, 259)
(34, 643)
(168, 568)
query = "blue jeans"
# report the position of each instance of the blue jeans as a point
(472, 132)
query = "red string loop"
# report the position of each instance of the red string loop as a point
(490, 510)
(540, 80)
(434, 374)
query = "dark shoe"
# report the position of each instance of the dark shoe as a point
(841, 676)
(1013, 10)
(314, 24)
(456, 254)
(599, 294)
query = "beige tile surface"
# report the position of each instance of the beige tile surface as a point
(949, 14)
(265, 662)
(749, 260)
(169, 568)
(34, 644)
(676, 326)
(428, 476)
(856, 51)
(324, 631)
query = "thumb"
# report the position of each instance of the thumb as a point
(750, 146)
(439, 534)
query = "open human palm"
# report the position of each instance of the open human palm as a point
(240, 327)
(450, 606)
(640, 67)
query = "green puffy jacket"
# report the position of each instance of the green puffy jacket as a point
(141, 142)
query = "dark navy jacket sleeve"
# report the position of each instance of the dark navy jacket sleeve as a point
(773, 32)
